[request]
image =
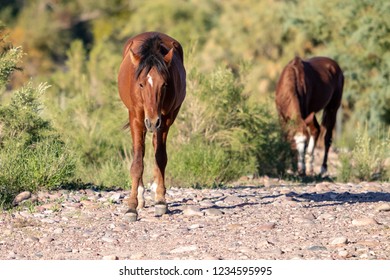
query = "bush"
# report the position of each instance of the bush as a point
(220, 137)
(366, 162)
(201, 164)
(84, 105)
(32, 155)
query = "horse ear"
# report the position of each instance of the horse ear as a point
(133, 57)
(168, 57)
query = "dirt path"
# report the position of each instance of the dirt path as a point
(259, 219)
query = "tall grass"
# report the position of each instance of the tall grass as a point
(367, 159)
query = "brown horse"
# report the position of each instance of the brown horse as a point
(304, 88)
(152, 85)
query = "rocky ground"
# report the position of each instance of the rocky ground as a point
(255, 219)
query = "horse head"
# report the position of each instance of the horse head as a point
(151, 83)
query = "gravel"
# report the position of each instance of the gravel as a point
(283, 220)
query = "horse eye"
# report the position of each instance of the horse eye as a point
(141, 85)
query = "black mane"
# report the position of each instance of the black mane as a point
(151, 55)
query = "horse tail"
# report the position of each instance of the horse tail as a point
(126, 126)
(300, 85)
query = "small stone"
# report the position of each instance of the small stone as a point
(192, 210)
(58, 231)
(21, 197)
(364, 256)
(364, 222)
(115, 198)
(184, 249)
(266, 226)
(12, 255)
(234, 226)
(343, 254)
(233, 200)
(369, 243)
(137, 256)
(32, 239)
(213, 212)
(206, 203)
(303, 220)
(326, 216)
(110, 257)
(47, 221)
(109, 239)
(317, 248)
(74, 205)
(383, 207)
(341, 240)
(46, 240)
(210, 257)
(195, 226)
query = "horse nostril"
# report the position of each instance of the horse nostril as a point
(147, 123)
(158, 122)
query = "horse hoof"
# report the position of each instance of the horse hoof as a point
(160, 209)
(131, 216)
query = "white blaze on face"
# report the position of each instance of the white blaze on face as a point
(150, 80)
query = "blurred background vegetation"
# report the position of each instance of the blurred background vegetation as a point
(70, 50)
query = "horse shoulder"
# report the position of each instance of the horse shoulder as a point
(126, 70)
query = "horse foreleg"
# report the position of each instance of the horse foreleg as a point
(300, 141)
(161, 159)
(136, 199)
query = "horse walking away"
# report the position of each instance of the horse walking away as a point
(306, 87)
(152, 85)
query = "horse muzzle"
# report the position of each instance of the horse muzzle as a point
(152, 125)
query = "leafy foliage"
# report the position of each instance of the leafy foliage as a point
(32, 155)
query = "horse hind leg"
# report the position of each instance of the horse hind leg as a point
(314, 129)
(328, 121)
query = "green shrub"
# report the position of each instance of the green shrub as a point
(198, 163)
(219, 136)
(85, 106)
(366, 162)
(32, 155)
